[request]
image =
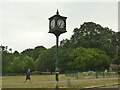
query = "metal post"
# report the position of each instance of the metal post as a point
(118, 77)
(57, 61)
(57, 57)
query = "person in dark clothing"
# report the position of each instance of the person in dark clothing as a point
(57, 75)
(28, 76)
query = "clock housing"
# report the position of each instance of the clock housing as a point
(57, 24)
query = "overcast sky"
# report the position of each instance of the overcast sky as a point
(25, 24)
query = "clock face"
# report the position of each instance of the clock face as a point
(61, 23)
(52, 24)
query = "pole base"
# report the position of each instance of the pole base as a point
(57, 86)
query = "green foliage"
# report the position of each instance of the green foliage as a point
(89, 59)
(6, 61)
(117, 57)
(64, 59)
(17, 65)
(27, 52)
(28, 63)
(46, 60)
(92, 35)
(16, 53)
(14, 63)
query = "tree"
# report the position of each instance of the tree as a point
(6, 62)
(117, 57)
(10, 50)
(16, 53)
(89, 59)
(65, 43)
(6, 47)
(64, 58)
(92, 35)
(46, 60)
(17, 66)
(116, 41)
(27, 52)
(28, 63)
(36, 51)
(3, 48)
(20, 65)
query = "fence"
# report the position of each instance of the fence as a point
(90, 74)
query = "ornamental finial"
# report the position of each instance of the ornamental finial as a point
(57, 12)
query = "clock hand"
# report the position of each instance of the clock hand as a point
(60, 24)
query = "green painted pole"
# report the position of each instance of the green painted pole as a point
(57, 65)
(57, 56)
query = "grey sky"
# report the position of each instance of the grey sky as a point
(25, 24)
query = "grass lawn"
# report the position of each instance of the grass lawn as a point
(48, 81)
(0, 82)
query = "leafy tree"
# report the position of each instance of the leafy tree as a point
(17, 65)
(10, 50)
(64, 58)
(89, 59)
(116, 41)
(117, 57)
(27, 52)
(65, 43)
(16, 53)
(28, 63)
(36, 51)
(92, 35)
(20, 65)
(6, 61)
(3, 48)
(46, 60)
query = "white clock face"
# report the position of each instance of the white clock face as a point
(52, 24)
(61, 23)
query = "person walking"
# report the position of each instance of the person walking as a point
(28, 76)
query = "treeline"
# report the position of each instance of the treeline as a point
(91, 47)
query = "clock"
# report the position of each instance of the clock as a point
(52, 24)
(57, 24)
(61, 23)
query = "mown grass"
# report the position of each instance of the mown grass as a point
(0, 82)
(94, 83)
(38, 81)
(48, 81)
